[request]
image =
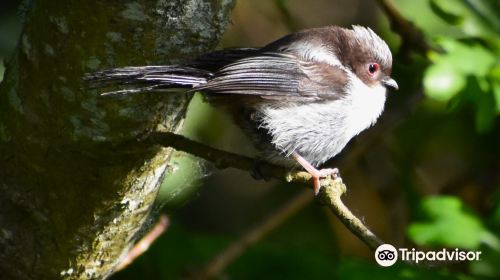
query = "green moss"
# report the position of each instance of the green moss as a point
(4, 134)
(114, 37)
(93, 63)
(61, 23)
(73, 156)
(26, 46)
(49, 50)
(134, 11)
(67, 93)
(15, 101)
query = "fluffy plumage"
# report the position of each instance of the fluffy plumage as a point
(307, 93)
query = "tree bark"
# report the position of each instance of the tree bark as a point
(75, 186)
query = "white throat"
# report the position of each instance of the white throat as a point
(366, 105)
(319, 131)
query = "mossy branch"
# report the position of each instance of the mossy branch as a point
(330, 194)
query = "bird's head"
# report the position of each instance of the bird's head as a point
(367, 56)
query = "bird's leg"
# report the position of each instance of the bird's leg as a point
(315, 173)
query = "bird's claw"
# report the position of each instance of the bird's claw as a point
(323, 173)
(333, 172)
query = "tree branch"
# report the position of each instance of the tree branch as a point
(222, 159)
(332, 190)
(330, 194)
(145, 242)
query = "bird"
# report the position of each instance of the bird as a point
(300, 98)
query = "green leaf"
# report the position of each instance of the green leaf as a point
(495, 86)
(450, 71)
(449, 17)
(488, 265)
(473, 59)
(485, 111)
(442, 81)
(448, 224)
(473, 17)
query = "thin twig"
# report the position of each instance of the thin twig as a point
(235, 249)
(143, 245)
(331, 193)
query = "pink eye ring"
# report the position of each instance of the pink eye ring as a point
(373, 68)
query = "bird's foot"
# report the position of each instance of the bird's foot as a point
(315, 173)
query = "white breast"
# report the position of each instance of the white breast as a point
(319, 131)
(366, 105)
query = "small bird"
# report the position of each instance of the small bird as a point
(300, 98)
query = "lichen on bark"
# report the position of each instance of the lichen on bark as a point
(75, 186)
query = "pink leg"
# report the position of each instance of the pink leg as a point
(315, 173)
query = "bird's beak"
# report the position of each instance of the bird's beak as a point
(390, 83)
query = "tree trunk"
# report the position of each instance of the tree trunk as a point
(76, 187)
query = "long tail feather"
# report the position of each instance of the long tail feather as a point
(146, 78)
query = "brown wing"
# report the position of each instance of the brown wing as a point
(278, 76)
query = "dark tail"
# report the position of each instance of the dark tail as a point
(129, 80)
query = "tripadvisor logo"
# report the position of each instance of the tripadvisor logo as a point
(387, 255)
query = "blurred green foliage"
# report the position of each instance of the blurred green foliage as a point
(450, 225)
(464, 74)
(467, 69)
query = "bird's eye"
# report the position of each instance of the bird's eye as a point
(373, 68)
